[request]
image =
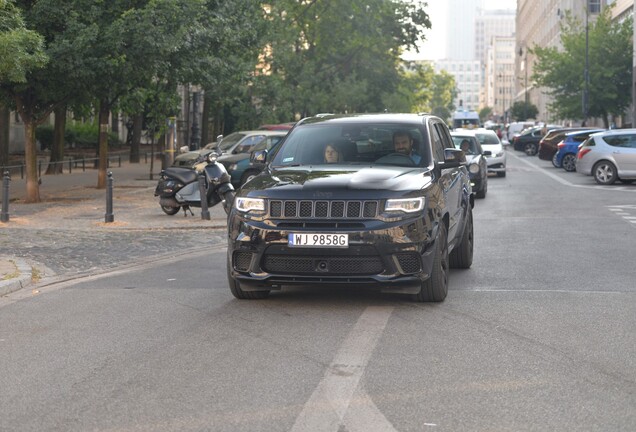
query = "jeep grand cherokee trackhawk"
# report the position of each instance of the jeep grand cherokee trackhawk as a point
(385, 215)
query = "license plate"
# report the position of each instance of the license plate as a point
(318, 240)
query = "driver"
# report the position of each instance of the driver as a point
(403, 143)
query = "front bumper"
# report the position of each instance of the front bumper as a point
(496, 164)
(395, 256)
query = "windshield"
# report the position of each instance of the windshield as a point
(354, 144)
(230, 140)
(465, 143)
(487, 138)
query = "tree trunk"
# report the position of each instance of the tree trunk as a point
(5, 124)
(104, 111)
(205, 120)
(135, 144)
(57, 152)
(30, 156)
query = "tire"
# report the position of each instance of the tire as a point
(435, 288)
(170, 211)
(462, 255)
(569, 162)
(555, 162)
(247, 176)
(235, 288)
(483, 191)
(531, 149)
(604, 173)
(501, 174)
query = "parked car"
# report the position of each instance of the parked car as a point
(567, 149)
(245, 169)
(528, 140)
(515, 128)
(609, 156)
(188, 159)
(490, 142)
(475, 159)
(277, 127)
(548, 144)
(393, 216)
(241, 150)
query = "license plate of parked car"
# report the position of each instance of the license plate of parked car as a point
(318, 240)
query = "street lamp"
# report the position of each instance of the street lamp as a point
(586, 73)
(525, 86)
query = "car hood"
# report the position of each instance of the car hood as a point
(227, 159)
(337, 182)
(472, 159)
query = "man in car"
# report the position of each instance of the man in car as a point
(403, 143)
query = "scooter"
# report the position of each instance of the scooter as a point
(178, 188)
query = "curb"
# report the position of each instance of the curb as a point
(22, 280)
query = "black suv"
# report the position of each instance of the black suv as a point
(382, 214)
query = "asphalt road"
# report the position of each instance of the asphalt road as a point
(540, 334)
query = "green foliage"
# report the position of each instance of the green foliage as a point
(21, 50)
(522, 112)
(484, 113)
(610, 51)
(79, 135)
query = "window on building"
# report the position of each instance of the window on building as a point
(594, 6)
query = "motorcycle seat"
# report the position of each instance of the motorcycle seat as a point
(184, 175)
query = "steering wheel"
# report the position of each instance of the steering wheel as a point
(396, 159)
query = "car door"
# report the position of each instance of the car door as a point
(624, 153)
(451, 178)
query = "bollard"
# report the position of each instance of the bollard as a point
(4, 216)
(205, 213)
(110, 217)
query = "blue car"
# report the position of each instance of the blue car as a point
(565, 157)
(244, 170)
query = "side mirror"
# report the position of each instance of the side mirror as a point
(453, 158)
(259, 157)
(184, 149)
(219, 138)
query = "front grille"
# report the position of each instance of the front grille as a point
(349, 209)
(242, 261)
(323, 264)
(409, 262)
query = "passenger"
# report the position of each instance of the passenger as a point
(403, 143)
(465, 146)
(332, 155)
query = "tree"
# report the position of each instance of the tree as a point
(336, 56)
(610, 68)
(521, 111)
(21, 51)
(484, 113)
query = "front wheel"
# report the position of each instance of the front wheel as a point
(569, 162)
(170, 211)
(604, 173)
(531, 149)
(235, 288)
(435, 288)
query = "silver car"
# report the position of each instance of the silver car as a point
(609, 156)
(490, 142)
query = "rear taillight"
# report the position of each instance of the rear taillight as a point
(582, 152)
(561, 144)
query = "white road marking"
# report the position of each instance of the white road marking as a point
(568, 183)
(338, 403)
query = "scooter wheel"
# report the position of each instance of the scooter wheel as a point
(171, 211)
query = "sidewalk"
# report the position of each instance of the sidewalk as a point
(72, 203)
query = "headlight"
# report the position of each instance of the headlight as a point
(407, 205)
(500, 154)
(232, 167)
(473, 168)
(247, 205)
